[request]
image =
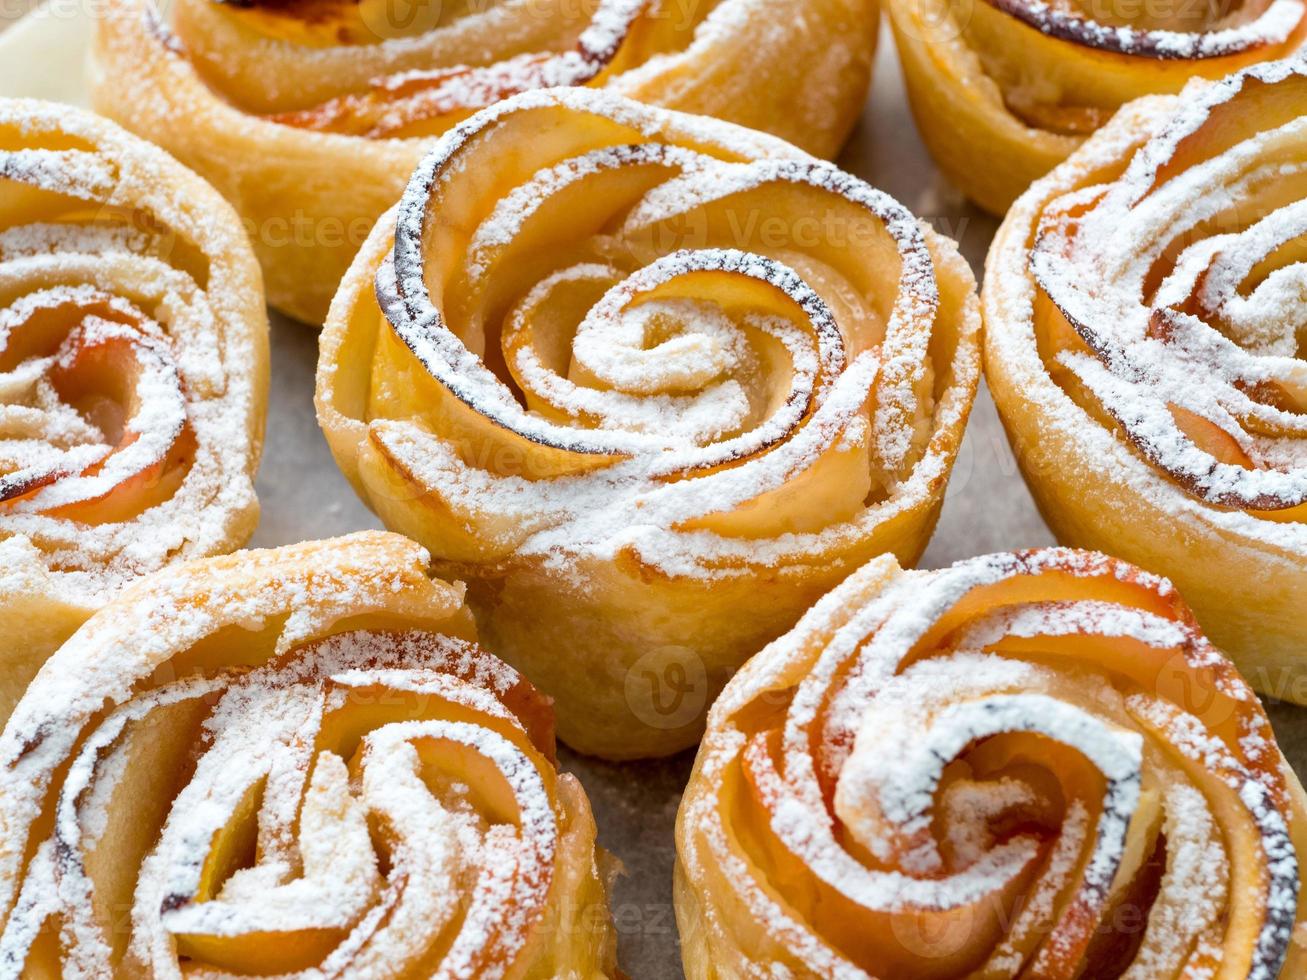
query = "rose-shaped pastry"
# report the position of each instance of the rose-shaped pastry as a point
(133, 373)
(650, 384)
(293, 762)
(1019, 84)
(1146, 307)
(1025, 765)
(309, 115)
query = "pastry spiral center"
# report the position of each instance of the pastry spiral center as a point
(614, 342)
(1174, 302)
(988, 769)
(373, 801)
(95, 412)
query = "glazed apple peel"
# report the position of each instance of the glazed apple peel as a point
(1190, 339)
(1026, 764)
(132, 354)
(627, 367)
(703, 361)
(411, 102)
(301, 765)
(1065, 69)
(97, 419)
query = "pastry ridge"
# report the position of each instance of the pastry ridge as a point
(578, 369)
(299, 762)
(134, 359)
(1023, 83)
(346, 98)
(1030, 762)
(1165, 419)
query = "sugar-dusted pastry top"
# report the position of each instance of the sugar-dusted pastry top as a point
(294, 762)
(648, 334)
(1025, 764)
(1168, 289)
(132, 354)
(394, 103)
(1086, 60)
(387, 70)
(1168, 31)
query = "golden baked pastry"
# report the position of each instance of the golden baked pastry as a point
(650, 383)
(1146, 327)
(1025, 765)
(293, 762)
(309, 115)
(1004, 90)
(133, 373)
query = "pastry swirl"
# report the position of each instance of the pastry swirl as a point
(1027, 764)
(300, 763)
(1023, 83)
(648, 383)
(133, 364)
(345, 96)
(1145, 315)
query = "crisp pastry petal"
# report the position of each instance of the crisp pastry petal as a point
(293, 762)
(1026, 765)
(133, 373)
(1146, 309)
(1021, 83)
(649, 383)
(310, 115)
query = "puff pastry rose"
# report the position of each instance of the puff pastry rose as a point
(649, 383)
(293, 762)
(1145, 308)
(310, 115)
(133, 369)
(1019, 84)
(1025, 765)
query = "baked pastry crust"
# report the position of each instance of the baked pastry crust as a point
(309, 116)
(650, 384)
(1019, 84)
(133, 373)
(295, 762)
(1027, 764)
(1145, 350)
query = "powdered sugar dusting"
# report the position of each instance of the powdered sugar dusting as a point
(383, 76)
(1246, 28)
(702, 372)
(1182, 285)
(131, 345)
(396, 103)
(399, 784)
(890, 745)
